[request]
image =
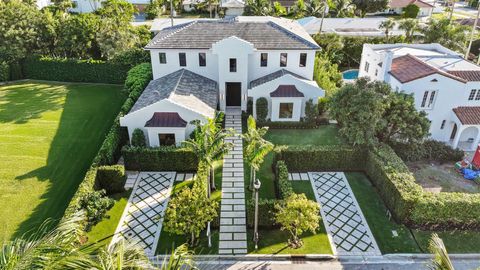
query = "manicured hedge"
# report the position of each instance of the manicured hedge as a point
(109, 152)
(283, 186)
(70, 70)
(4, 72)
(322, 158)
(406, 200)
(266, 208)
(111, 178)
(163, 158)
(430, 150)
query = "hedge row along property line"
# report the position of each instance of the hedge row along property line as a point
(407, 201)
(137, 79)
(166, 158)
(71, 70)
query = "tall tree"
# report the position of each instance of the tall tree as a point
(448, 34)
(362, 7)
(208, 143)
(278, 9)
(258, 7)
(326, 74)
(387, 26)
(77, 35)
(315, 8)
(342, 8)
(256, 147)
(299, 9)
(410, 26)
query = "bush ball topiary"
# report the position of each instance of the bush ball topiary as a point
(138, 138)
(262, 109)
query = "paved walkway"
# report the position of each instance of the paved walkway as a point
(233, 230)
(344, 221)
(142, 218)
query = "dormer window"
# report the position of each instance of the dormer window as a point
(263, 59)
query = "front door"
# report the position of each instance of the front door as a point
(234, 93)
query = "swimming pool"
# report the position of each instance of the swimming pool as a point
(351, 74)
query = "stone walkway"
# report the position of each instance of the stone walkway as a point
(142, 218)
(233, 230)
(344, 221)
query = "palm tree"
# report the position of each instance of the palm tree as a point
(441, 261)
(315, 8)
(410, 26)
(387, 26)
(257, 147)
(208, 144)
(45, 248)
(343, 8)
(181, 258)
(259, 7)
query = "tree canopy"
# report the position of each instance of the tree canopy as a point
(362, 7)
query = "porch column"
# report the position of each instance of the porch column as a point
(457, 136)
(477, 141)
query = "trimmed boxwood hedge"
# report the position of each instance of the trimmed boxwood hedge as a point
(4, 72)
(137, 79)
(283, 186)
(407, 201)
(111, 178)
(163, 158)
(72, 70)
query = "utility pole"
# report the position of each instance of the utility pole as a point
(171, 11)
(473, 33)
(325, 10)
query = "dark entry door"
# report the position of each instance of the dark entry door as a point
(234, 93)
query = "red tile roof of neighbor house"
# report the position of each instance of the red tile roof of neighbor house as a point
(468, 115)
(408, 68)
(166, 119)
(286, 91)
(404, 3)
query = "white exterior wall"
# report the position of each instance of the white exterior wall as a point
(43, 3)
(138, 119)
(310, 91)
(234, 11)
(298, 109)
(86, 6)
(273, 64)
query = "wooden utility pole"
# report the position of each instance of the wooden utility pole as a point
(171, 11)
(474, 28)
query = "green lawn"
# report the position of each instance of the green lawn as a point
(50, 133)
(169, 241)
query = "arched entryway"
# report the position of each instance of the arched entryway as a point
(468, 138)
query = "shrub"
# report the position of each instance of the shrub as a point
(430, 150)
(132, 57)
(250, 106)
(68, 70)
(262, 109)
(266, 213)
(161, 158)
(297, 215)
(96, 205)
(410, 11)
(283, 185)
(322, 105)
(138, 138)
(311, 111)
(4, 72)
(322, 158)
(111, 178)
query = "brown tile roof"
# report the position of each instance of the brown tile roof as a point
(408, 68)
(467, 75)
(468, 115)
(166, 119)
(404, 3)
(286, 91)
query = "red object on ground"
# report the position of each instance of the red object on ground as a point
(476, 158)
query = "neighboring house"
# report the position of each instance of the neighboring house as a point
(444, 85)
(43, 3)
(203, 66)
(87, 6)
(233, 7)
(397, 6)
(348, 26)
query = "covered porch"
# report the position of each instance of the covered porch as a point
(465, 132)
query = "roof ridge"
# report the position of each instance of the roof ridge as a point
(178, 82)
(185, 25)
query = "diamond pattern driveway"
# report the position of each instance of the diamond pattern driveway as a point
(142, 219)
(344, 221)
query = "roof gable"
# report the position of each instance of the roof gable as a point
(286, 91)
(404, 3)
(273, 76)
(468, 115)
(166, 119)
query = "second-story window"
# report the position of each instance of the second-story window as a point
(263, 59)
(283, 59)
(478, 95)
(233, 65)
(472, 94)
(367, 66)
(182, 58)
(303, 60)
(428, 99)
(162, 57)
(202, 59)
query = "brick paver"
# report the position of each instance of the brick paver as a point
(233, 230)
(344, 221)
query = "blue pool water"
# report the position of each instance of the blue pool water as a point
(350, 74)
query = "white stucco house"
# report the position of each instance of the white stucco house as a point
(397, 6)
(203, 66)
(443, 83)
